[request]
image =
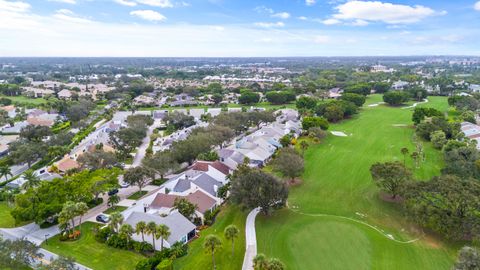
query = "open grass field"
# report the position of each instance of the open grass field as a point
(6, 220)
(93, 254)
(337, 220)
(26, 100)
(198, 259)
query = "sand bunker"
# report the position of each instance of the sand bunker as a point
(339, 134)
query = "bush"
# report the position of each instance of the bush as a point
(166, 264)
(209, 216)
(142, 247)
(145, 264)
(314, 121)
(118, 242)
(316, 132)
(438, 139)
(103, 234)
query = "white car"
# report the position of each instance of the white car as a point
(124, 185)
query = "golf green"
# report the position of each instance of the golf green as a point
(336, 219)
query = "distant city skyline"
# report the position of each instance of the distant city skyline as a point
(223, 28)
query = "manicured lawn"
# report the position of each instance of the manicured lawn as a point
(137, 195)
(115, 209)
(198, 259)
(6, 220)
(337, 182)
(93, 254)
(27, 100)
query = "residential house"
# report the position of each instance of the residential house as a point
(181, 229)
(65, 94)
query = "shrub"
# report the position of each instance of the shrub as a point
(316, 132)
(145, 264)
(117, 242)
(166, 264)
(103, 234)
(209, 216)
(356, 99)
(142, 247)
(314, 121)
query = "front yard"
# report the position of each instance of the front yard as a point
(89, 252)
(6, 220)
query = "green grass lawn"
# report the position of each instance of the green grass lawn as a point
(26, 100)
(93, 254)
(6, 220)
(137, 195)
(115, 209)
(198, 259)
(337, 182)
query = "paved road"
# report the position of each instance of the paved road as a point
(251, 240)
(137, 160)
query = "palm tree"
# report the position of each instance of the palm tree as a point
(415, 156)
(113, 200)
(152, 229)
(31, 180)
(404, 151)
(5, 172)
(164, 232)
(231, 232)
(126, 231)
(140, 228)
(260, 262)
(82, 209)
(115, 220)
(212, 243)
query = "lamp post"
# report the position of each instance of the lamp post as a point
(46, 238)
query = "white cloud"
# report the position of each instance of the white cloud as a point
(125, 3)
(322, 39)
(263, 9)
(359, 23)
(149, 15)
(302, 18)
(281, 15)
(72, 2)
(310, 2)
(477, 6)
(217, 27)
(383, 12)
(69, 16)
(157, 3)
(331, 21)
(269, 25)
(14, 6)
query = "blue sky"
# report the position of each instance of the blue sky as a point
(238, 28)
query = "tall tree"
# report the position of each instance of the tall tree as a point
(163, 232)
(140, 228)
(212, 244)
(152, 230)
(5, 171)
(32, 180)
(231, 232)
(253, 188)
(137, 176)
(116, 219)
(289, 163)
(390, 176)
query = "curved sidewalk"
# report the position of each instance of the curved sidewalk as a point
(251, 240)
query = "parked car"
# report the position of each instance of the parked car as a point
(124, 185)
(103, 218)
(113, 192)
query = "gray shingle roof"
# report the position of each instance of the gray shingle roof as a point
(182, 185)
(207, 183)
(179, 225)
